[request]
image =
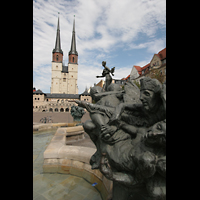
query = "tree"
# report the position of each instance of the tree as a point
(137, 83)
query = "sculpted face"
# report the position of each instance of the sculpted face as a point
(148, 99)
(156, 135)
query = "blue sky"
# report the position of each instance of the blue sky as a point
(123, 33)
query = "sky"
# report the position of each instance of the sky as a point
(122, 33)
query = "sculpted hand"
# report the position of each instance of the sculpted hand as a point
(80, 103)
(113, 119)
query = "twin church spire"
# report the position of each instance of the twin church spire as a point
(73, 54)
(58, 41)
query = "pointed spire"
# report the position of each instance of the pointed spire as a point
(73, 42)
(58, 41)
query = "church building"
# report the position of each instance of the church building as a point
(64, 78)
(64, 89)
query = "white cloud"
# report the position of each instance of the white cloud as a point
(101, 28)
(152, 46)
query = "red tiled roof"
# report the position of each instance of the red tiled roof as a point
(147, 65)
(127, 77)
(139, 69)
(162, 54)
(146, 68)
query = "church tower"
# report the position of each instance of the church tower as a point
(64, 78)
(73, 64)
(57, 58)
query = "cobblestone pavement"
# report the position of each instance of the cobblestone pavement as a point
(50, 186)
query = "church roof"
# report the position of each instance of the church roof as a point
(58, 41)
(39, 92)
(73, 42)
(64, 69)
(85, 92)
(64, 96)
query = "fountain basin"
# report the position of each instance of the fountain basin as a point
(74, 160)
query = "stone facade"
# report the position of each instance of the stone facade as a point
(46, 102)
(64, 78)
(155, 69)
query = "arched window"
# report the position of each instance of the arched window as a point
(67, 110)
(56, 109)
(61, 110)
(50, 109)
(57, 57)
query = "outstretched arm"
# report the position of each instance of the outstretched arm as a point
(100, 76)
(90, 107)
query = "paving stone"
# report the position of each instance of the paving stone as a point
(47, 186)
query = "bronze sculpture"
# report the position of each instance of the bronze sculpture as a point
(77, 113)
(130, 138)
(106, 73)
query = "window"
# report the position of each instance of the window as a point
(163, 61)
(35, 98)
(57, 57)
(73, 59)
(38, 98)
(64, 79)
(56, 66)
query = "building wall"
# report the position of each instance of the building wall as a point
(38, 100)
(155, 62)
(72, 79)
(56, 77)
(86, 98)
(44, 104)
(64, 83)
(57, 57)
(134, 73)
(73, 58)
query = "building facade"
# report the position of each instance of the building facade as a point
(47, 102)
(64, 89)
(64, 78)
(155, 69)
